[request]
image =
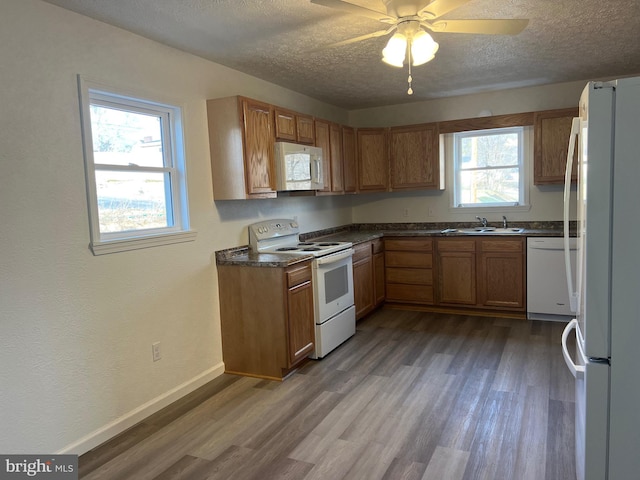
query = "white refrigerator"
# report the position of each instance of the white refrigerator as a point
(606, 288)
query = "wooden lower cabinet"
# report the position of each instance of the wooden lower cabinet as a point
(368, 276)
(501, 273)
(267, 318)
(377, 248)
(456, 271)
(408, 270)
(483, 273)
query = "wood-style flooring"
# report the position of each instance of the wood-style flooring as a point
(412, 395)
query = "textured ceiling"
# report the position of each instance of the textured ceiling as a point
(277, 40)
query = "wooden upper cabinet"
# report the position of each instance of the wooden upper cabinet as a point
(415, 157)
(293, 127)
(241, 136)
(349, 160)
(552, 132)
(305, 132)
(323, 140)
(258, 147)
(335, 145)
(373, 160)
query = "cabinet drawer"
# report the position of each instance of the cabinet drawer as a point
(298, 276)
(451, 245)
(416, 276)
(408, 259)
(410, 293)
(413, 244)
(361, 252)
(502, 245)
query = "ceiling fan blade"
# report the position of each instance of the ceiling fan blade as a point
(437, 8)
(379, 33)
(489, 27)
(355, 10)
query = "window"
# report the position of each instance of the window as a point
(489, 168)
(135, 173)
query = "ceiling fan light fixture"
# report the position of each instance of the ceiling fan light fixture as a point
(423, 48)
(395, 51)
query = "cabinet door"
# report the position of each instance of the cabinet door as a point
(323, 141)
(363, 279)
(378, 272)
(349, 161)
(415, 157)
(258, 147)
(301, 326)
(552, 131)
(285, 123)
(373, 160)
(456, 272)
(335, 140)
(304, 129)
(501, 274)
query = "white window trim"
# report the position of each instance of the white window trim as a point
(447, 140)
(112, 242)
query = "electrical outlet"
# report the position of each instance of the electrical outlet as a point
(405, 212)
(155, 350)
(431, 212)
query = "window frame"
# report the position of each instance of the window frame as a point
(174, 168)
(524, 145)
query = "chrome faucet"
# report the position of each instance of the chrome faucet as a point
(504, 222)
(482, 220)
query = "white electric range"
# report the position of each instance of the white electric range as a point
(332, 266)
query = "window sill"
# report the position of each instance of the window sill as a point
(115, 246)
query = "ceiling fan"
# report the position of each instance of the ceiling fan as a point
(410, 19)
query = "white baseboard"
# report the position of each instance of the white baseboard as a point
(128, 420)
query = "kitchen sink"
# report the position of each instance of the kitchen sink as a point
(485, 230)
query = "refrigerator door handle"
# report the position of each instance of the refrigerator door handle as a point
(573, 296)
(576, 370)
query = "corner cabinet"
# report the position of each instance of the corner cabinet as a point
(267, 319)
(552, 132)
(241, 141)
(349, 160)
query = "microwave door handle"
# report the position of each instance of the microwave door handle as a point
(319, 172)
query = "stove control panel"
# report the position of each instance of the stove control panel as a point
(272, 229)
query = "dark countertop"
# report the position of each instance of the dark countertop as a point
(360, 233)
(244, 256)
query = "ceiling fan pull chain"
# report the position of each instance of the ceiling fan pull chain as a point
(410, 79)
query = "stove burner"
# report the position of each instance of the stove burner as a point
(286, 249)
(331, 244)
(311, 249)
(303, 244)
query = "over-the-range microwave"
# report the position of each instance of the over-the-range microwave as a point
(298, 167)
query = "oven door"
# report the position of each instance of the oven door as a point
(333, 284)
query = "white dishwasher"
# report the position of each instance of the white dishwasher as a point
(547, 292)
